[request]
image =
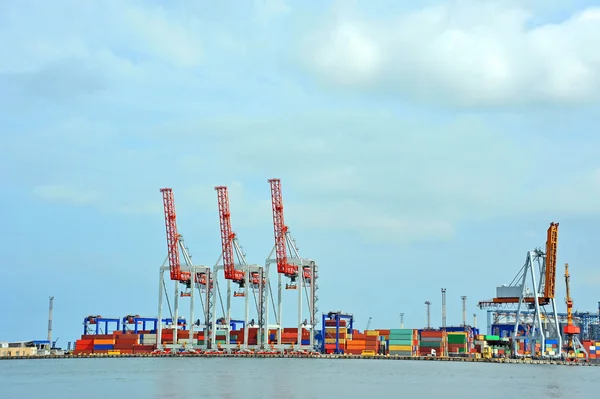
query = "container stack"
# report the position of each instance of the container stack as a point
(84, 345)
(551, 347)
(356, 343)
(220, 337)
(593, 349)
(331, 337)
(402, 342)
(384, 336)
(432, 340)
(124, 343)
(371, 342)
(457, 343)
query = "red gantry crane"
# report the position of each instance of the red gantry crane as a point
(291, 265)
(540, 269)
(227, 237)
(232, 251)
(202, 277)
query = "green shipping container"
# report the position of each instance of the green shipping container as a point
(400, 342)
(492, 338)
(457, 339)
(401, 336)
(430, 344)
(401, 331)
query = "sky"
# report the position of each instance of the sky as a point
(419, 147)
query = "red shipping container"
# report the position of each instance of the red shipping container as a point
(432, 334)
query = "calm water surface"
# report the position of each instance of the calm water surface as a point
(289, 378)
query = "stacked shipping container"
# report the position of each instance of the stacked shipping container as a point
(457, 342)
(431, 339)
(356, 344)
(330, 335)
(593, 349)
(403, 342)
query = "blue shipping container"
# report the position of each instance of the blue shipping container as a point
(305, 342)
(104, 347)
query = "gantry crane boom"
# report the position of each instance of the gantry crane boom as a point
(280, 230)
(173, 242)
(551, 245)
(227, 237)
(548, 276)
(173, 237)
(568, 299)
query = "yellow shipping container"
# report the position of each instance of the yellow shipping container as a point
(404, 348)
(373, 333)
(114, 352)
(332, 341)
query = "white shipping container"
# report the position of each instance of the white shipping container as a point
(505, 291)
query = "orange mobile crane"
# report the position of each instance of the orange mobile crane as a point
(571, 330)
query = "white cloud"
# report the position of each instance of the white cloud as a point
(362, 168)
(464, 52)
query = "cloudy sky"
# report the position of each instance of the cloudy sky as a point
(419, 147)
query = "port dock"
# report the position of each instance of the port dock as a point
(316, 356)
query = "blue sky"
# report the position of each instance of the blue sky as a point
(419, 147)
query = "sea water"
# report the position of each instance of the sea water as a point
(247, 378)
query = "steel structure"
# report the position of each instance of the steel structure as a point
(337, 316)
(251, 278)
(136, 320)
(585, 320)
(540, 270)
(443, 309)
(291, 265)
(50, 310)
(464, 310)
(573, 345)
(97, 321)
(182, 274)
(402, 321)
(428, 307)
